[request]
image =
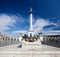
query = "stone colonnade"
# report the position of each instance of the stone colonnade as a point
(5, 38)
(48, 38)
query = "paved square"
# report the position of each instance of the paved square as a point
(36, 51)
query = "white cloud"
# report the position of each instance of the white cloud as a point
(9, 21)
(40, 24)
(52, 32)
(37, 26)
(6, 21)
(16, 33)
(20, 31)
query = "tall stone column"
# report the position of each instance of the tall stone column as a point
(31, 27)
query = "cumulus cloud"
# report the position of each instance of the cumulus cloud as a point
(38, 26)
(40, 23)
(6, 21)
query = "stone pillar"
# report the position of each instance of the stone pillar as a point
(0, 38)
(41, 37)
(10, 39)
(20, 36)
(31, 24)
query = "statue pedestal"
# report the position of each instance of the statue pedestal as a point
(31, 45)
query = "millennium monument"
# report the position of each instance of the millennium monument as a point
(31, 46)
(31, 41)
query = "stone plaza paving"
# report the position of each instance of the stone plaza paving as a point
(29, 51)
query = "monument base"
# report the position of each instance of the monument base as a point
(31, 45)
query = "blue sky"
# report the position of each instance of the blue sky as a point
(14, 16)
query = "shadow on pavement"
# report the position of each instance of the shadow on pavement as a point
(8, 43)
